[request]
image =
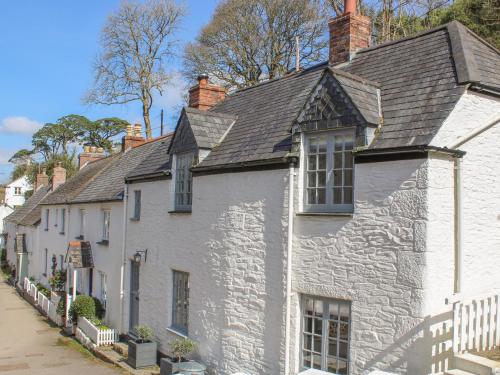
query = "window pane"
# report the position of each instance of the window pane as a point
(334, 310)
(332, 364)
(348, 195)
(322, 145)
(318, 326)
(337, 177)
(312, 163)
(318, 308)
(308, 324)
(343, 349)
(312, 145)
(337, 195)
(317, 344)
(321, 196)
(332, 347)
(333, 330)
(317, 361)
(344, 312)
(342, 367)
(311, 196)
(309, 306)
(348, 160)
(338, 143)
(307, 342)
(311, 179)
(322, 179)
(337, 160)
(348, 177)
(322, 161)
(307, 359)
(344, 331)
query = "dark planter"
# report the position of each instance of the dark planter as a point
(167, 366)
(141, 354)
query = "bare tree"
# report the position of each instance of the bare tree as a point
(248, 41)
(136, 43)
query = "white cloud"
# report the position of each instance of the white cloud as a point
(19, 125)
(173, 94)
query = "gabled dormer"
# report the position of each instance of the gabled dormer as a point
(198, 131)
(341, 114)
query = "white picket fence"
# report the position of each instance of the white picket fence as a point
(100, 337)
(476, 324)
(48, 307)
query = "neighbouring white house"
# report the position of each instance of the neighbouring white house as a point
(15, 191)
(21, 231)
(82, 224)
(4, 212)
(339, 218)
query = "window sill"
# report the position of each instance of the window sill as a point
(179, 212)
(79, 238)
(103, 242)
(335, 214)
(62, 233)
(177, 332)
(46, 229)
(134, 219)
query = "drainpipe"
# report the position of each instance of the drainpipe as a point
(459, 201)
(122, 268)
(289, 267)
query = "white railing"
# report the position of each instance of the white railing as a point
(100, 337)
(476, 324)
(48, 307)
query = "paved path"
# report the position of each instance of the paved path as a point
(28, 345)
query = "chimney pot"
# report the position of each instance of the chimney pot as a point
(133, 138)
(137, 130)
(41, 179)
(130, 130)
(59, 176)
(90, 154)
(350, 6)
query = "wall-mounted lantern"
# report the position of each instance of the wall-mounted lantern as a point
(138, 256)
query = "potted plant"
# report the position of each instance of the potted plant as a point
(142, 349)
(179, 350)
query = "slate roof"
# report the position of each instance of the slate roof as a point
(156, 163)
(109, 184)
(421, 78)
(29, 213)
(73, 186)
(208, 127)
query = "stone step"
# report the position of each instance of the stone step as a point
(121, 348)
(458, 372)
(475, 364)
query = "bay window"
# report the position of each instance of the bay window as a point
(328, 166)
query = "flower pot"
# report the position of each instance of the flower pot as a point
(141, 354)
(167, 366)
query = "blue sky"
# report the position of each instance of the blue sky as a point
(47, 49)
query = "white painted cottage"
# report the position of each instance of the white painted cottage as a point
(332, 218)
(15, 192)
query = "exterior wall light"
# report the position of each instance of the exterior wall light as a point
(138, 256)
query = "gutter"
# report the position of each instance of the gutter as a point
(161, 174)
(239, 165)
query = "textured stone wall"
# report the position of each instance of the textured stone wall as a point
(376, 259)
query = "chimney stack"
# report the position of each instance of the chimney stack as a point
(58, 176)
(41, 179)
(89, 155)
(348, 33)
(133, 138)
(204, 95)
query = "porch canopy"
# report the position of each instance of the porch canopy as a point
(79, 254)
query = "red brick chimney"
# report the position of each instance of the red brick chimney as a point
(89, 155)
(133, 138)
(205, 95)
(41, 179)
(348, 33)
(58, 176)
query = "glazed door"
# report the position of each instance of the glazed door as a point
(134, 295)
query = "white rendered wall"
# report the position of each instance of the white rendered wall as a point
(13, 199)
(4, 212)
(233, 246)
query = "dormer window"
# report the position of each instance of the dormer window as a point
(183, 182)
(328, 171)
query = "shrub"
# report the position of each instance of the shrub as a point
(82, 306)
(98, 323)
(181, 348)
(61, 306)
(3, 255)
(144, 332)
(58, 281)
(99, 309)
(43, 289)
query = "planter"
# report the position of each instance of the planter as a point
(167, 366)
(141, 354)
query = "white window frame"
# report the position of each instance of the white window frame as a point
(106, 221)
(316, 342)
(180, 301)
(103, 284)
(137, 204)
(183, 189)
(63, 220)
(18, 190)
(330, 170)
(82, 223)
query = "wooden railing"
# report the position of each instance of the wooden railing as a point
(48, 307)
(476, 324)
(101, 337)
